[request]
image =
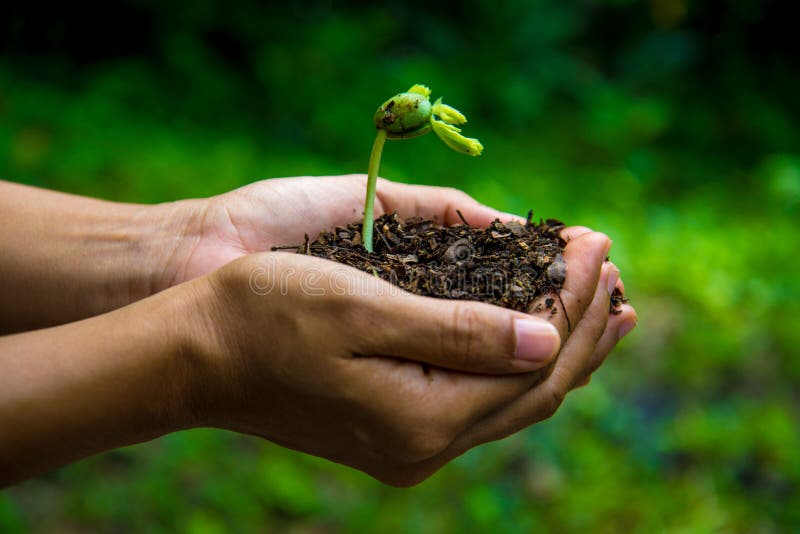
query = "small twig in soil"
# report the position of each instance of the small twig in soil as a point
(566, 315)
(383, 237)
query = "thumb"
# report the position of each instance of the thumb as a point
(442, 203)
(460, 335)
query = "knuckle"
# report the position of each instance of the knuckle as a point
(556, 398)
(597, 359)
(597, 243)
(456, 197)
(371, 325)
(358, 177)
(596, 322)
(556, 393)
(461, 339)
(455, 194)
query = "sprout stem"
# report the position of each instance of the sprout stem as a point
(372, 179)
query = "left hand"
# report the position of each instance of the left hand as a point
(220, 229)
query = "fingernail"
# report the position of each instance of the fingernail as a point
(625, 328)
(537, 341)
(613, 277)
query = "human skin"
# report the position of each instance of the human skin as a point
(169, 333)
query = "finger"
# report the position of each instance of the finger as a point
(535, 404)
(573, 232)
(618, 327)
(458, 335)
(477, 337)
(480, 395)
(467, 398)
(629, 320)
(584, 382)
(584, 257)
(440, 203)
(573, 366)
(575, 361)
(446, 401)
(621, 286)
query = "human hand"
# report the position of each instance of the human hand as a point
(340, 374)
(280, 211)
(330, 361)
(214, 352)
(95, 256)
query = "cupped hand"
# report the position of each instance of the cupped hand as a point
(324, 359)
(281, 211)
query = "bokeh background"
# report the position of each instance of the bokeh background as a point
(670, 125)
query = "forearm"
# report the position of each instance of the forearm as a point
(71, 391)
(66, 257)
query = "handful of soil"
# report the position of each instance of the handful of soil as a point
(509, 264)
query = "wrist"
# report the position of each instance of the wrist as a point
(165, 236)
(196, 365)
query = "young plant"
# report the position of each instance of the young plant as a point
(408, 115)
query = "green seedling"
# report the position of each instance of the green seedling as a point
(408, 115)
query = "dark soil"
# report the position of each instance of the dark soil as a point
(509, 264)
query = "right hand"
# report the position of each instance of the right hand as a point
(325, 359)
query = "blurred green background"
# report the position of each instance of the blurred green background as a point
(670, 125)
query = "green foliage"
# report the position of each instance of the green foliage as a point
(671, 127)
